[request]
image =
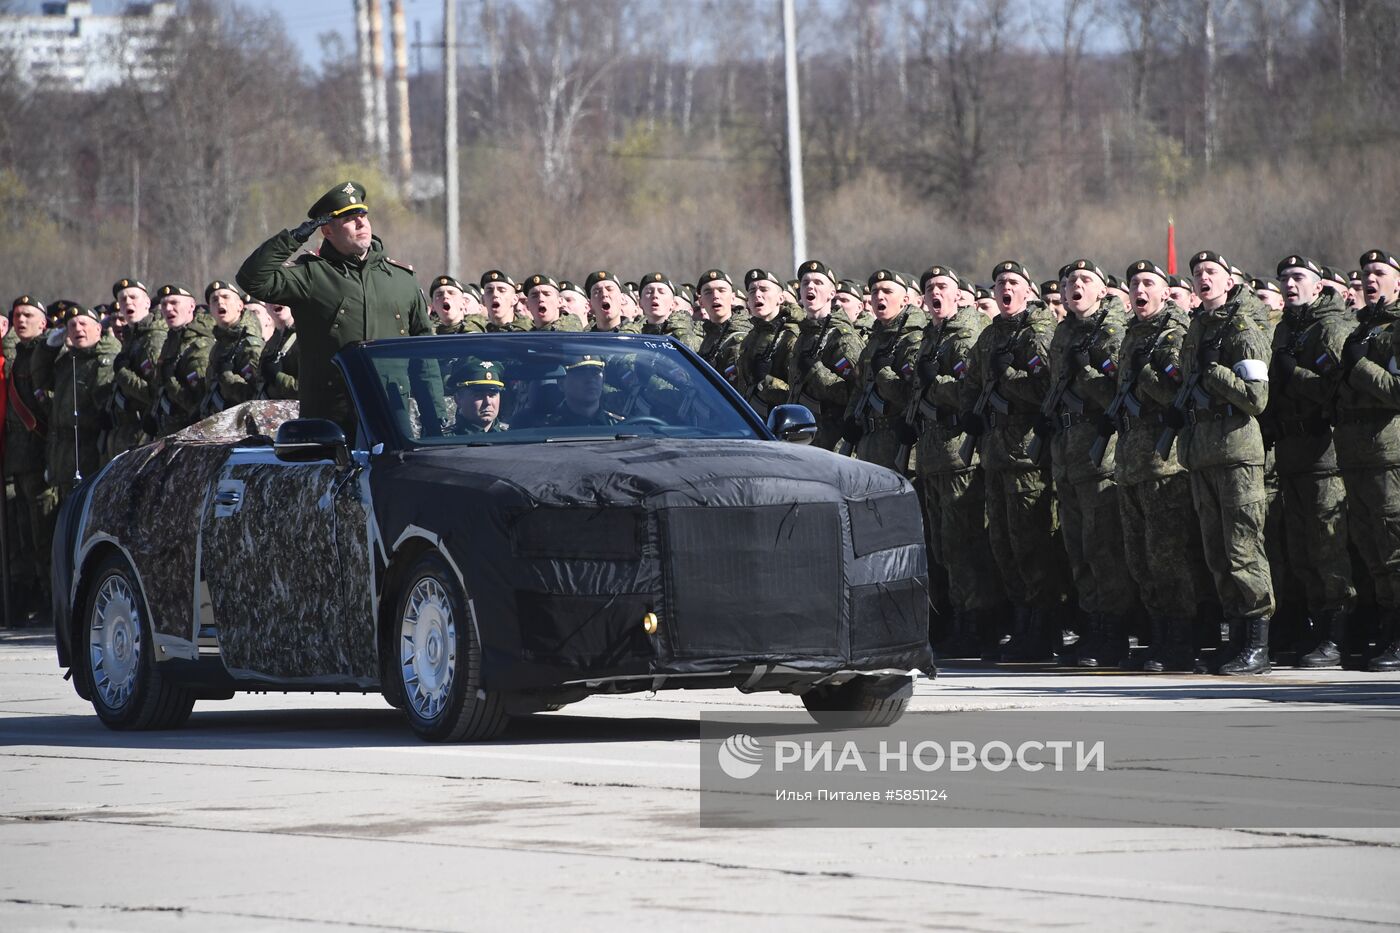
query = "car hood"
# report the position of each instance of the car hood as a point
(659, 473)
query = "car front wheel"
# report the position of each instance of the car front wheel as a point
(860, 701)
(439, 660)
(129, 690)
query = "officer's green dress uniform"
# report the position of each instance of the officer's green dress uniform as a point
(1013, 353)
(26, 450)
(475, 373)
(1304, 378)
(134, 377)
(1367, 437)
(955, 513)
(1085, 352)
(280, 364)
(235, 374)
(1223, 448)
(1161, 536)
(337, 300)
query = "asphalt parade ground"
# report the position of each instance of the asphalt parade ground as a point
(314, 811)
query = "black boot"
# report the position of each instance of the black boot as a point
(1171, 647)
(1328, 652)
(1033, 638)
(1107, 644)
(1254, 659)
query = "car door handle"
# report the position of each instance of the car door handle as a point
(229, 497)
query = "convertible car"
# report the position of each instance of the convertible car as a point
(516, 522)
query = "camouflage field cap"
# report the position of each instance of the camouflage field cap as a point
(816, 267)
(1146, 267)
(933, 272)
(538, 279)
(1381, 256)
(444, 280)
(346, 198)
(473, 372)
(492, 276)
(121, 285)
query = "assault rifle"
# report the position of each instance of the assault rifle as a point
(1124, 399)
(989, 396)
(1191, 396)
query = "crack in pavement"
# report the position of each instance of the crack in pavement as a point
(242, 915)
(836, 875)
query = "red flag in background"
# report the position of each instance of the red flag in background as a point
(1171, 247)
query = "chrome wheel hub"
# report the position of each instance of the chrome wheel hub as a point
(114, 642)
(428, 648)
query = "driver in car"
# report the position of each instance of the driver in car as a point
(476, 389)
(583, 397)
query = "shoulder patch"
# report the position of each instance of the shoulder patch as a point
(401, 265)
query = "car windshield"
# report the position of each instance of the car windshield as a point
(547, 388)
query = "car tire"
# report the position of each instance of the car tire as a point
(438, 669)
(861, 701)
(129, 690)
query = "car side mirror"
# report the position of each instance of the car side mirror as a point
(306, 440)
(792, 423)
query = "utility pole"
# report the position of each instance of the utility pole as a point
(366, 79)
(449, 134)
(381, 96)
(403, 138)
(794, 138)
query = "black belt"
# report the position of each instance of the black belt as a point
(995, 418)
(1303, 427)
(1371, 416)
(1070, 418)
(1127, 422)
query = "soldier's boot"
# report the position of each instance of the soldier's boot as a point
(1388, 661)
(991, 623)
(965, 641)
(1328, 652)
(1172, 648)
(1107, 642)
(1254, 659)
(1034, 637)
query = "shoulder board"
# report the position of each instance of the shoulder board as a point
(402, 265)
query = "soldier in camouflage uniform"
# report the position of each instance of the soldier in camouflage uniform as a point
(659, 311)
(1223, 357)
(765, 356)
(280, 356)
(575, 301)
(499, 296)
(1304, 376)
(606, 301)
(823, 369)
(546, 306)
(724, 330)
(79, 382)
(235, 375)
(1161, 537)
(1010, 374)
(884, 378)
(134, 370)
(955, 515)
(182, 371)
(850, 301)
(26, 429)
(449, 301)
(1083, 377)
(1367, 438)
